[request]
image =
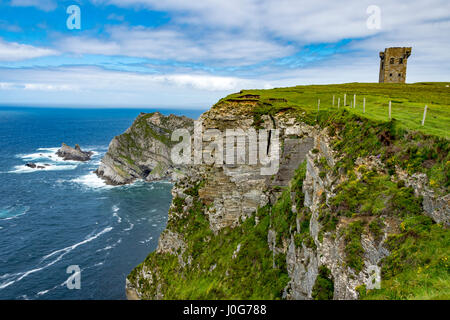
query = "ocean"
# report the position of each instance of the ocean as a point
(63, 215)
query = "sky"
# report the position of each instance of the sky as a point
(190, 53)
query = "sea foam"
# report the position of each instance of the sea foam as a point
(92, 181)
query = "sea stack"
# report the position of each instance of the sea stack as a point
(75, 154)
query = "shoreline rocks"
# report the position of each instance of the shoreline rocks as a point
(75, 154)
(34, 165)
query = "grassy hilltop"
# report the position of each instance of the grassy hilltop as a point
(401, 141)
(408, 101)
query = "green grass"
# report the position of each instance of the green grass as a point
(374, 194)
(408, 101)
(213, 273)
(418, 266)
(324, 286)
(353, 248)
(400, 141)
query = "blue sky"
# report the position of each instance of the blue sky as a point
(189, 54)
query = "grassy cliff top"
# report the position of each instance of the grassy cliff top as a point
(408, 102)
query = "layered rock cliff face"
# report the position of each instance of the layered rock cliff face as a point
(143, 150)
(323, 237)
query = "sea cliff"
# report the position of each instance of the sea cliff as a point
(359, 208)
(143, 150)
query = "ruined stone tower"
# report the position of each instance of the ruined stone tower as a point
(393, 64)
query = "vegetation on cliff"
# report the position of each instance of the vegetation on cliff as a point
(143, 150)
(216, 269)
(370, 199)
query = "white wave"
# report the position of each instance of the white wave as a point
(13, 212)
(109, 247)
(53, 149)
(116, 209)
(119, 219)
(146, 240)
(129, 228)
(41, 293)
(46, 167)
(92, 181)
(153, 210)
(72, 247)
(96, 163)
(19, 276)
(105, 248)
(49, 154)
(44, 153)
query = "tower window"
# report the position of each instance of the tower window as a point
(399, 75)
(400, 61)
(390, 74)
(391, 61)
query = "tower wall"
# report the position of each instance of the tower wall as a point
(393, 63)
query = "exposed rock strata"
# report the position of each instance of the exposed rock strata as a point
(143, 150)
(232, 193)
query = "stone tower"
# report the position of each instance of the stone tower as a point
(393, 64)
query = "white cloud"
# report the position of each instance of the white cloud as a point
(300, 21)
(45, 5)
(13, 51)
(245, 32)
(91, 85)
(174, 44)
(216, 33)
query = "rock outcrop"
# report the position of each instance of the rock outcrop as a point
(303, 262)
(35, 166)
(143, 150)
(74, 154)
(226, 195)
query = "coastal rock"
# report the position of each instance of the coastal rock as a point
(74, 154)
(34, 166)
(435, 205)
(143, 150)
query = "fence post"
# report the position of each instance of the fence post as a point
(339, 102)
(318, 105)
(424, 115)
(354, 101)
(364, 105)
(345, 99)
(390, 110)
(333, 100)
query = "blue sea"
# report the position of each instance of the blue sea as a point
(63, 215)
